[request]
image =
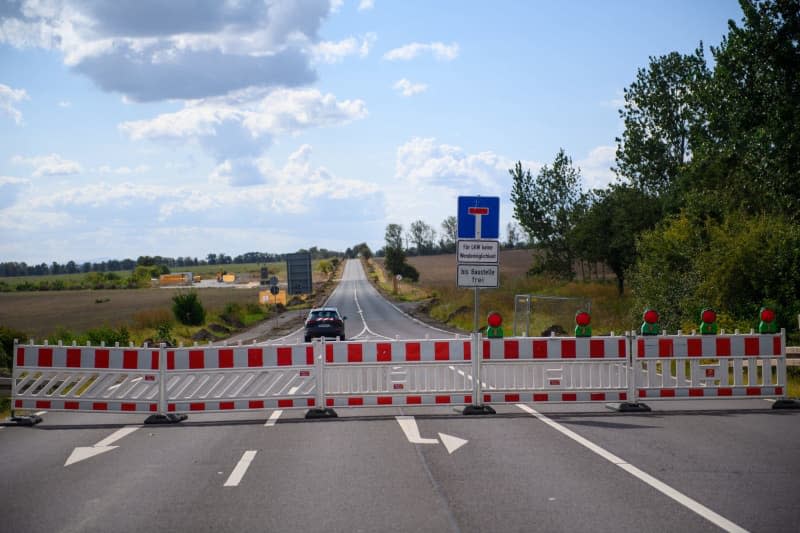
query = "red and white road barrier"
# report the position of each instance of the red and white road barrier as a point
(324, 375)
(555, 370)
(400, 373)
(710, 366)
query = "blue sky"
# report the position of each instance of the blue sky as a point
(182, 128)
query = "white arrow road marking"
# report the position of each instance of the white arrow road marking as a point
(451, 443)
(409, 427)
(273, 418)
(85, 452)
(241, 468)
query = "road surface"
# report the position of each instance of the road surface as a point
(687, 466)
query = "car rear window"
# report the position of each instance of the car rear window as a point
(323, 314)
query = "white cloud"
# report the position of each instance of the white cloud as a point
(335, 51)
(407, 88)
(364, 5)
(429, 176)
(65, 103)
(10, 188)
(49, 165)
(123, 171)
(297, 203)
(440, 51)
(238, 128)
(596, 167)
(151, 51)
(8, 98)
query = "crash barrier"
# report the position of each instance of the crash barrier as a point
(324, 375)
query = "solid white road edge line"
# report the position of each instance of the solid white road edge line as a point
(241, 468)
(273, 418)
(686, 501)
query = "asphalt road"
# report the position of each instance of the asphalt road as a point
(687, 466)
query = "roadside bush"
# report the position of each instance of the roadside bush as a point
(7, 336)
(108, 335)
(255, 309)
(188, 309)
(735, 265)
(409, 272)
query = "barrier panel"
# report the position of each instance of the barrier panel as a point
(418, 372)
(710, 366)
(163, 381)
(555, 369)
(240, 378)
(474, 372)
(73, 378)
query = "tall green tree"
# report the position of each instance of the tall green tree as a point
(663, 118)
(423, 236)
(449, 235)
(751, 155)
(394, 236)
(545, 207)
(606, 232)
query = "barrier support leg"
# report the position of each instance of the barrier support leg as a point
(784, 403)
(633, 405)
(320, 410)
(477, 407)
(163, 417)
(20, 420)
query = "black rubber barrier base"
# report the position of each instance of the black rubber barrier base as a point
(786, 404)
(169, 418)
(31, 420)
(319, 412)
(478, 410)
(629, 407)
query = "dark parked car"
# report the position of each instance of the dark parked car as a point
(324, 322)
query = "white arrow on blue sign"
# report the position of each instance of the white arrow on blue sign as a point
(478, 217)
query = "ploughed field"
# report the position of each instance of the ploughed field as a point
(441, 269)
(39, 313)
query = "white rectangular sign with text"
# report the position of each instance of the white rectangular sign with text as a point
(471, 251)
(478, 275)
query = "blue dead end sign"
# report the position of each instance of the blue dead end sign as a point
(478, 217)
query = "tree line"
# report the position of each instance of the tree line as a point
(705, 210)
(13, 269)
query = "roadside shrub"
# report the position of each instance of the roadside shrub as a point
(164, 334)
(409, 272)
(254, 309)
(7, 336)
(233, 309)
(108, 335)
(188, 309)
(25, 286)
(67, 336)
